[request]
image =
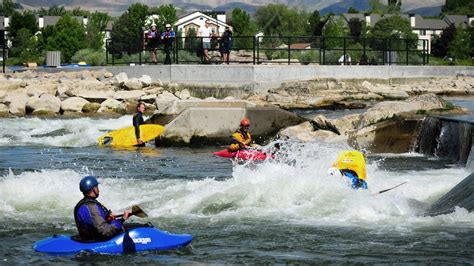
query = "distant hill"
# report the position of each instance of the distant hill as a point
(427, 11)
(325, 6)
(342, 7)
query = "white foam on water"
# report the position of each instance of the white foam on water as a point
(77, 132)
(297, 192)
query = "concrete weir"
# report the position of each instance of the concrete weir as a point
(202, 125)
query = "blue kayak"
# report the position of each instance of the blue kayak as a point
(137, 239)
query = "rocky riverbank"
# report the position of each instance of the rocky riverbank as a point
(395, 107)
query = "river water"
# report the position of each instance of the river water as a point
(286, 211)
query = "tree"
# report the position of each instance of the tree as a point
(127, 30)
(459, 7)
(352, 10)
(95, 30)
(167, 14)
(7, 8)
(191, 42)
(53, 10)
(243, 26)
(394, 28)
(460, 46)
(375, 7)
(337, 29)
(355, 28)
(69, 37)
(440, 45)
(394, 6)
(25, 19)
(27, 48)
(279, 20)
(316, 24)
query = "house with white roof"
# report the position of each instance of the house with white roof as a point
(197, 19)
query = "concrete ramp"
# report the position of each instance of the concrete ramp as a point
(462, 195)
(214, 125)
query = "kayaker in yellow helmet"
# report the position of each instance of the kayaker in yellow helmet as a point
(350, 165)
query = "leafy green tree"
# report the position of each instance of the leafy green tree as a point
(440, 45)
(27, 48)
(95, 30)
(69, 37)
(394, 6)
(25, 19)
(79, 12)
(167, 14)
(352, 10)
(279, 20)
(316, 24)
(335, 28)
(191, 43)
(356, 27)
(53, 10)
(460, 46)
(375, 7)
(394, 28)
(460, 7)
(7, 8)
(471, 36)
(127, 30)
(243, 25)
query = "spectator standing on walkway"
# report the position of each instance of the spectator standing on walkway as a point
(226, 42)
(167, 37)
(152, 40)
(205, 34)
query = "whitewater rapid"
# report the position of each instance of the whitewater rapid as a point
(77, 132)
(297, 191)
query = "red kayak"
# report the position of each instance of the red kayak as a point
(254, 155)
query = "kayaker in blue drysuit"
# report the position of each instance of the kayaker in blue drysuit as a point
(350, 177)
(93, 220)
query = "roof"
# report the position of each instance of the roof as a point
(429, 24)
(194, 15)
(300, 45)
(52, 20)
(109, 25)
(457, 19)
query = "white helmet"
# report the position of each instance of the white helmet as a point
(333, 171)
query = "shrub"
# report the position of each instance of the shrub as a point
(90, 56)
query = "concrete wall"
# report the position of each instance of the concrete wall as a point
(267, 76)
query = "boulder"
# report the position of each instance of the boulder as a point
(386, 110)
(183, 95)
(165, 99)
(9, 85)
(112, 105)
(156, 83)
(133, 84)
(306, 132)
(148, 98)
(121, 78)
(38, 89)
(3, 110)
(108, 75)
(146, 80)
(126, 95)
(346, 123)
(43, 103)
(73, 104)
(92, 90)
(16, 102)
(153, 90)
(91, 107)
(257, 99)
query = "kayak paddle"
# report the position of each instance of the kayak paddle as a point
(137, 211)
(388, 189)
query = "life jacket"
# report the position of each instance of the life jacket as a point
(85, 231)
(240, 137)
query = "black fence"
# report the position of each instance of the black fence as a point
(4, 49)
(278, 50)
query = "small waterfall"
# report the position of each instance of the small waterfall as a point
(446, 138)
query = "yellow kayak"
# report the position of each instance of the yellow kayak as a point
(126, 136)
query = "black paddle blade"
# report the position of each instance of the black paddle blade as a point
(137, 211)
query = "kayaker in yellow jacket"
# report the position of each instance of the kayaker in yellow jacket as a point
(241, 139)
